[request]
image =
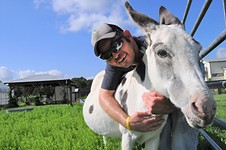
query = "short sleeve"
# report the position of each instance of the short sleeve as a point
(113, 76)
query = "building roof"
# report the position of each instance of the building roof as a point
(38, 78)
(216, 60)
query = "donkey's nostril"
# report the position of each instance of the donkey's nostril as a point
(197, 110)
(194, 107)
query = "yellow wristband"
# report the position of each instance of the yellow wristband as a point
(127, 123)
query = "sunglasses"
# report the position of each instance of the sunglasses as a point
(115, 48)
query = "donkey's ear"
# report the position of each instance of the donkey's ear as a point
(142, 20)
(167, 18)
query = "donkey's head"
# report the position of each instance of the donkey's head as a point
(173, 68)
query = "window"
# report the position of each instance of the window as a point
(217, 74)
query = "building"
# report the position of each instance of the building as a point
(215, 69)
(63, 88)
(4, 91)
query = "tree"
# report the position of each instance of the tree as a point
(89, 83)
(80, 82)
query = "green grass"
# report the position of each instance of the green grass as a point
(58, 127)
(61, 127)
(219, 136)
(221, 106)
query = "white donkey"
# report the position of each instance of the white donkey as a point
(170, 66)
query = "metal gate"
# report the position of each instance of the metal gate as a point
(217, 41)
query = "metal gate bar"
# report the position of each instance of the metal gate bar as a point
(224, 6)
(219, 123)
(201, 15)
(214, 44)
(186, 11)
(210, 140)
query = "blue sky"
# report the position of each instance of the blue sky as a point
(54, 36)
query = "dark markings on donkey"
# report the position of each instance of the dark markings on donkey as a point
(123, 81)
(123, 99)
(91, 109)
(141, 70)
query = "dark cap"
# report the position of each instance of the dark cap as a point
(103, 31)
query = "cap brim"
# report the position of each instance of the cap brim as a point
(106, 36)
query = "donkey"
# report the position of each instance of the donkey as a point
(170, 66)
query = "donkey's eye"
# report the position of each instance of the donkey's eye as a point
(162, 53)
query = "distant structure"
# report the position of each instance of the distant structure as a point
(215, 69)
(63, 88)
(4, 97)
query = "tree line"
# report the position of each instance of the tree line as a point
(82, 83)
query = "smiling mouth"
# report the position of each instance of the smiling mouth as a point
(122, 58)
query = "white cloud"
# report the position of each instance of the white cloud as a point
(7, 74)
(38, 3)
(27, 73)
(86, 14)
(56, 73)
(78, 6)
(221, 52)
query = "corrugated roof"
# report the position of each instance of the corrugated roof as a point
(38, 78)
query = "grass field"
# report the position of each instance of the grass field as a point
(221, 106)
(218, 135)
(61, 127)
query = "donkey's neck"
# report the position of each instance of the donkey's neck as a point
(142, 72)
